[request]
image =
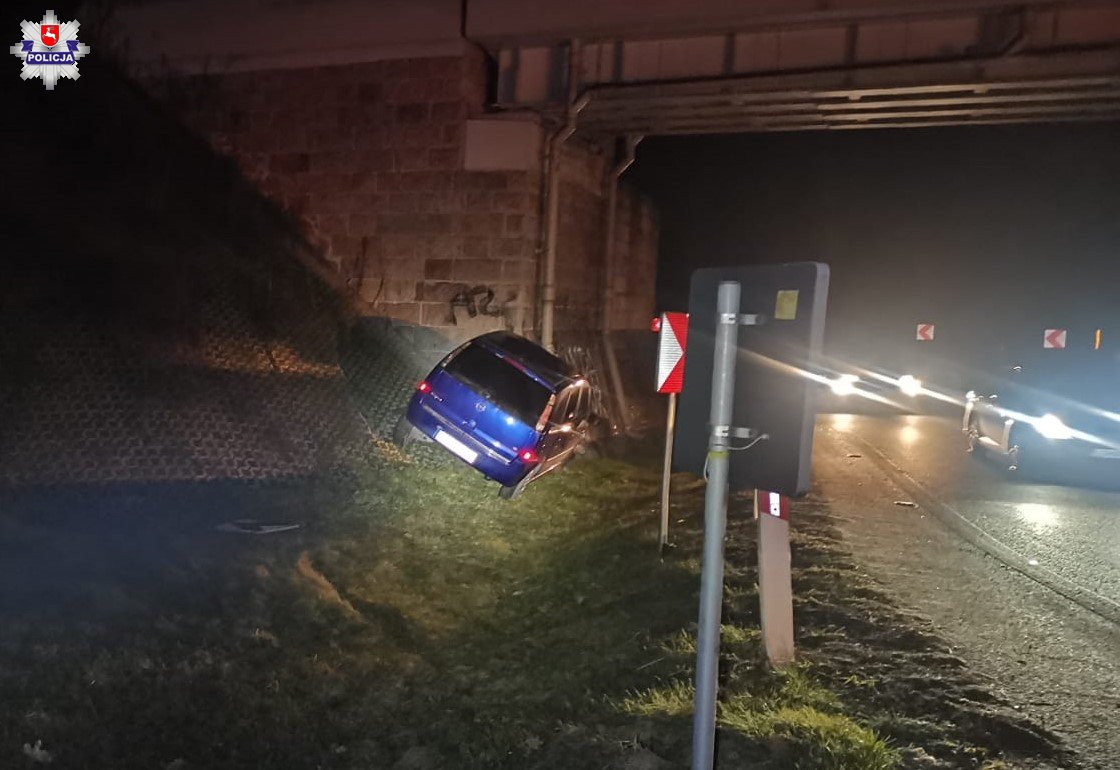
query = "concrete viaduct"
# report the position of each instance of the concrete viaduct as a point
(456, 164)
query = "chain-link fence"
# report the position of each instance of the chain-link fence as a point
(158, 318)
(160, 321)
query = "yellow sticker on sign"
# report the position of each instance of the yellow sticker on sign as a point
(786, 307)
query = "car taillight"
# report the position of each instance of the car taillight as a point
(424, 387)
(529, 456)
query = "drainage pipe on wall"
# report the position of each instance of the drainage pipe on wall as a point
(606, 289)
(552, 193)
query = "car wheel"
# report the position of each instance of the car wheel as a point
(513, 492)
(1015, 459)
(590, 450)
(1022, 458)
(973, 436)
(403, 433)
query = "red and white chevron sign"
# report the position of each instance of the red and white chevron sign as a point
(1054, 338)
(672, 336)
(925, 333)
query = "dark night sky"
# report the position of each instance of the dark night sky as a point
(986, 231)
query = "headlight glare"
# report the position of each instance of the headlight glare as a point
(1051, 426)
(844, 385)
(910, 385)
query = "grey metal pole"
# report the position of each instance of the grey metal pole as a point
(715, 527)
(666, 470)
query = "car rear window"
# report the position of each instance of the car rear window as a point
(501, 382)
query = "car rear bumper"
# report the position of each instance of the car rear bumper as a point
(487, 460)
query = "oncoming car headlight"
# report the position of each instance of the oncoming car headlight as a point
(1051, 427)
(910, 385)
(844, 385)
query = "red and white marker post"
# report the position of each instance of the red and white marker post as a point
(1054, 339)
(672, 331)
(775, 582)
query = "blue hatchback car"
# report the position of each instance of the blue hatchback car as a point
(506, 407)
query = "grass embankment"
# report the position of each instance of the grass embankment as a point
(425, 624)
(553, 615)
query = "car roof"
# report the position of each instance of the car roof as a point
(538, 362)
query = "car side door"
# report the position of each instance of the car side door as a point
(551, 447)
(568, 423)
(575, 426)
(582, 419)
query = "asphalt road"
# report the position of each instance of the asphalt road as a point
(1069, 525)
(1053, 659)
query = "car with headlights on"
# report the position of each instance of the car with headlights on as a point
(504, 406)
(1057, 412)
(848, 387)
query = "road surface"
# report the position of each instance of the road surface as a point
(1055, 659)
(1069, 528)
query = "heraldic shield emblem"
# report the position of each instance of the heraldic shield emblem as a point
(48, 33)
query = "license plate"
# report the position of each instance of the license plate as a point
(457, 447)
(1111, 454)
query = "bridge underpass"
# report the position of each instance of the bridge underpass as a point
(601, 72)
(414, 210)
(256, 385)
(798, 66)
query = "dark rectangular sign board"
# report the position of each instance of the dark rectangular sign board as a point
(772, 393)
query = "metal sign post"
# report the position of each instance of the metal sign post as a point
(715, 526)
(666, 471)
(775, 582)
(757, 374)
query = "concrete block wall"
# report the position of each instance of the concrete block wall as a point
(634, 277)
(580, 241)
(368, 158)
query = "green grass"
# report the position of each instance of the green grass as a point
(671, 700)
(810, 738)
(786, 709)
(425, 614)
(563, 592)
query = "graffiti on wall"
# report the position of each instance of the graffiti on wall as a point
(474, 301)
(477, 310)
